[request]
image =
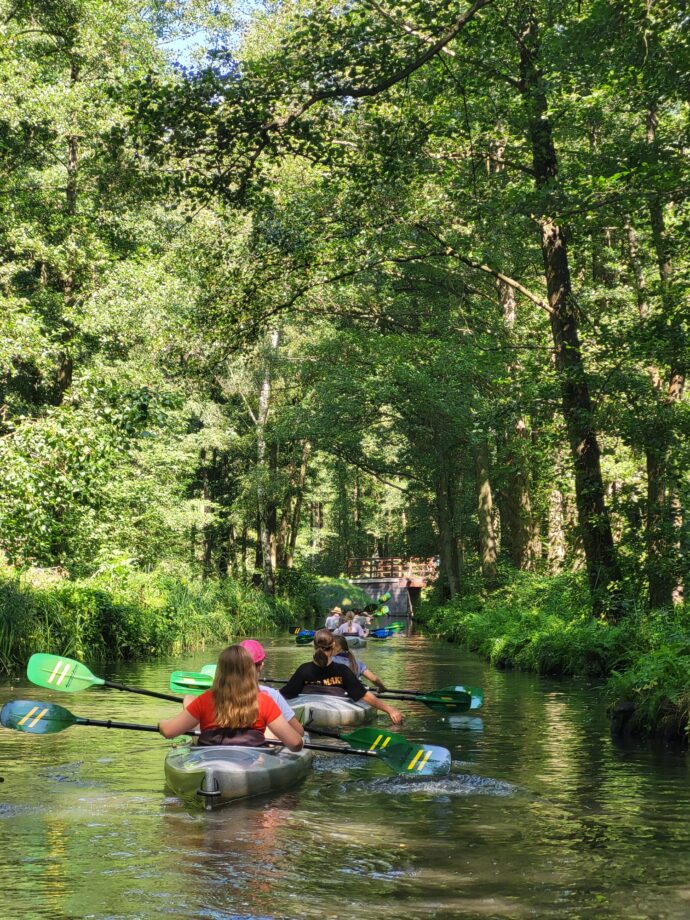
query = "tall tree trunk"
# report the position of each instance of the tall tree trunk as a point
(602, 564)
(516, 502)
(65, 369)
(664, 514)
(485, 513)
(450, 568)
(267, 510)
(297, 507)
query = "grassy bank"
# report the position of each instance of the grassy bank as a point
(543, 624)
(127, 614)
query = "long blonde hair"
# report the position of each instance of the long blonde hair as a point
(236, 689)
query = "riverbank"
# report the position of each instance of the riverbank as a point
(123, 613)
(543, 624)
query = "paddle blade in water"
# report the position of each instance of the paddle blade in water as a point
(190, 682)
(209, 669)
(417, 759)
(55, 672)
(36, 718)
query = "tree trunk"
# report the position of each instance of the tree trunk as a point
(664, 513)
(485, 507)
(297, 507)
(267, 509)
(450, 569)
(602, 565)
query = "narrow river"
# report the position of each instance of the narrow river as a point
(542, 816)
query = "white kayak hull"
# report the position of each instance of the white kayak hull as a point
(220, 774)
(355, 642)
(321, 710)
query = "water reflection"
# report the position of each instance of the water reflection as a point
(541, 816)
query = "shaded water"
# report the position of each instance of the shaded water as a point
(542, 815)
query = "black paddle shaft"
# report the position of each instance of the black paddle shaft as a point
(159, 696)
(130, 726)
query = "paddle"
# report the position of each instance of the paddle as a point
(476, 695)
(38, 718)
(48, 718)
(451, 699)
(55, 672)
(423, 759)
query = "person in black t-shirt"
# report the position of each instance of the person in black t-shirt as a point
(321, 675)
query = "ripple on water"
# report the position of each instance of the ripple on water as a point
(454, 784)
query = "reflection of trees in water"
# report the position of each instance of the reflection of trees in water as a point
(235, 856)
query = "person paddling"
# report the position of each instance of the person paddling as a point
(258, 653)
(322, 675)
(351, 628)
(343, 655)
(334, 618)
(234, 711)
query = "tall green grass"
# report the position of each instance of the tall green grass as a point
(544, 624)
(128, 614)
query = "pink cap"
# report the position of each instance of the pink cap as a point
(255, 649)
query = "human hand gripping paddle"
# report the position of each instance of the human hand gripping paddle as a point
(39, 718)
(55, 672)
(449, 699)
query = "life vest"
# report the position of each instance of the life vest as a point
(239, 737)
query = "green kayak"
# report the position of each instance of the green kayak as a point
(321, 710)
(223, 773)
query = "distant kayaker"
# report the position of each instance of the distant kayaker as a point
(351, 628)
(343, 655)
(334, 618)
(234, 711)
(258, 653)
(322, 675)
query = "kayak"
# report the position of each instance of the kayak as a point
(222, 773)
(325, 711)
(355, 641)
(382, 633)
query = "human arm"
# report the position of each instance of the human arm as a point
(373, 678)
(180, 724)
(281, 729)
(393, 714)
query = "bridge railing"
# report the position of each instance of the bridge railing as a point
(393, 567)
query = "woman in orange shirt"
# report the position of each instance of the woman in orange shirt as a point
(234, 710)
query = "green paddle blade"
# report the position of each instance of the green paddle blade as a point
(209, 669)
(417, 759)
(55, 672)
(371, 739)
(396, 751)
(36, 718)
(190, 682)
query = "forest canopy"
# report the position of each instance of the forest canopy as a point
(287, 284)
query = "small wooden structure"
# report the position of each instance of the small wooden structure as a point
(403, 578)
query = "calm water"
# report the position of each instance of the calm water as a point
(542, 815)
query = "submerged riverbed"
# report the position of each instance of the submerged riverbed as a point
(542, 815)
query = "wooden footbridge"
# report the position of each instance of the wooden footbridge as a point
(402, 578)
